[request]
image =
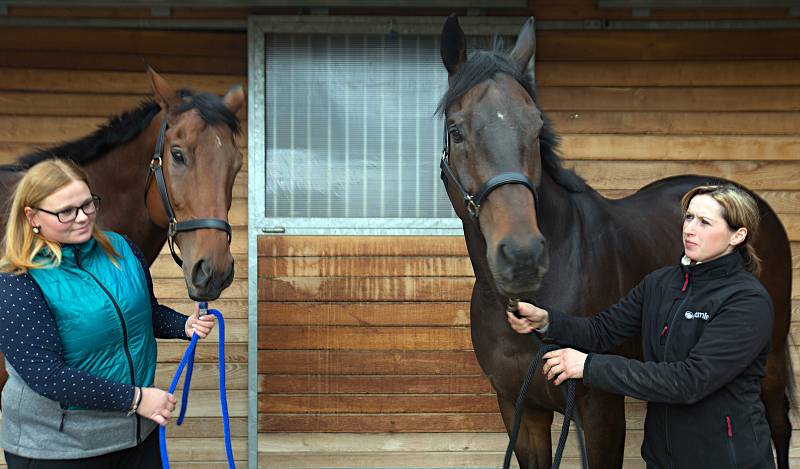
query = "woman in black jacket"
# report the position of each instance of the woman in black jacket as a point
(705, 326)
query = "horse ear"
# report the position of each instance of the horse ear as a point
(454, 46)
(165, 96)
(234, 98)
(525, 46)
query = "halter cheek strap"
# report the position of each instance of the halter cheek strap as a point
(174, 226)
(473, 202)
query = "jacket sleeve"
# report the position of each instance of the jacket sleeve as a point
(167, 323)
(603, 331)
(30, 341)
(729, 344)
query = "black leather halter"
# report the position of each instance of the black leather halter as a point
(473, 202)
(176, 226)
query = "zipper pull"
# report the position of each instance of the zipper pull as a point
(685, 282)
(663, 333)
(730, 428)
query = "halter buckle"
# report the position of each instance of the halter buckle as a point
(172, 229)
(155, 162)
(472, 207)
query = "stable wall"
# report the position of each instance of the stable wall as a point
(58, 84)
(365, 357)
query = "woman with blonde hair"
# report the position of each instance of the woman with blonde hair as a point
(705, 326)
(80, 322)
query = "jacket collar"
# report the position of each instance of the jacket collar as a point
(719, 267)
(71, 253)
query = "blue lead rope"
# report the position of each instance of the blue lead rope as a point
(188, 362)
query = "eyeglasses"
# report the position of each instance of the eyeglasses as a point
(69, 214)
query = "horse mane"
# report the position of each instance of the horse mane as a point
(125, 127)
(482, 65)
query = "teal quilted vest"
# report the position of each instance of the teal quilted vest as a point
(102, 311)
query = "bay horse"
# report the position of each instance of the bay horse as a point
(181, 140)
(536, 231)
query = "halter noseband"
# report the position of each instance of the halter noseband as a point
(473, 202)
(176, 226)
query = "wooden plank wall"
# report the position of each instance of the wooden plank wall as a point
(59, 84)
(632, 107)
(370, 335)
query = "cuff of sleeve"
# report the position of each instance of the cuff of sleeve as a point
(553, 323)
(587, 374)
(123, 398)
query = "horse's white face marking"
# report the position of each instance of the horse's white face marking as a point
(501, 116)
(219, 141)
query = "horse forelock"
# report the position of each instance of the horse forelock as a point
(210, 107)
(482, 65)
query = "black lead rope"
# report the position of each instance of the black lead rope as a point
(569, 409)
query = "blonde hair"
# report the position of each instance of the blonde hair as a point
(20, 243)
(739, 210)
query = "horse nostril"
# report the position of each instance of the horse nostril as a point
(541, 245)
(506, 252)
(527, 254)
(202, 273)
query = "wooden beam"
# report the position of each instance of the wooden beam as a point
(282, 3)
(301, 362)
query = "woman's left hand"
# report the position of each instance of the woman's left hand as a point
(563, 364)
(199, 325)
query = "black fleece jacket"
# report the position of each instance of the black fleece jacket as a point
(705, 333)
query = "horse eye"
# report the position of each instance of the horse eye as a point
(456, 135)
(177, 155)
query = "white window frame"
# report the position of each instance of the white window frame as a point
(258, 27)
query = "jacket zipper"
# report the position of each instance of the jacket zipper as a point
(662, 337)
(730, 440)
(124, 334)
(665, 340)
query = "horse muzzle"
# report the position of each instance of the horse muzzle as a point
(204, 282)
(518, 266)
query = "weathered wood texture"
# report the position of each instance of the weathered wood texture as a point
(360, 336)
(47, 98)
(631, 106)
(541, 9)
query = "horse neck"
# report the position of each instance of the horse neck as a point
(593, 248)
(119, 176)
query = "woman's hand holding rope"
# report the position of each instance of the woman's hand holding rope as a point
(157, 405)
(199, 325)
(560, 365)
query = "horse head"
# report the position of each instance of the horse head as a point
(198, 162)
(492, 163)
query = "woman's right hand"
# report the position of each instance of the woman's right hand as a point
(157, 405)
(531, 317)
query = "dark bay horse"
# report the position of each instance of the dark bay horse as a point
(538, 232)
(199, 162)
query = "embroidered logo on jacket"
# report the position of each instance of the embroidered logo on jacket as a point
(696, 315)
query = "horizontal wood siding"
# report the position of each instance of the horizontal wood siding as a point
(58, 85)
(368, 334)
(363, 336)
(631, 106)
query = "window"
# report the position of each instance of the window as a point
(343, 137)
(349, 129)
